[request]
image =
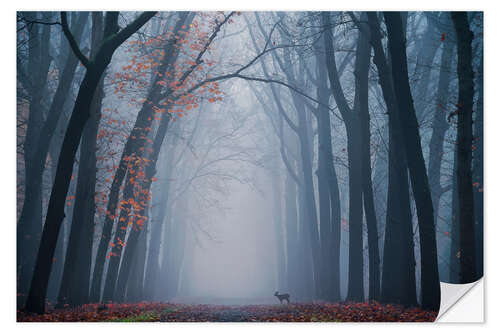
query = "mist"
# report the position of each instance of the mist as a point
(235, 157)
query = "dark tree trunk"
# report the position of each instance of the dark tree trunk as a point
(454, 261)
(34, 173)
(55, 213)
(136, 139)
(324, 209)
(477, 171)
(57, 271)
(76, 277)
(426, 53)
(81, 112)
(335, 234)
(398, 270)
(328, 193)
(130, 149)
(363, 51)
(127, 262)
(355, 291)
(29, 227)
(34, 170)
(135, 285)
(351, 119)
(464, 148)
(118, 243)
(439, 127)
(121, 281)
(416, 164)
(56, 274)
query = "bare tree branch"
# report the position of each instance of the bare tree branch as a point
(72, 42)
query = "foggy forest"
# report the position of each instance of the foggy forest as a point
(247, 166)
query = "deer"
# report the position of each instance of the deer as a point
(281, 297)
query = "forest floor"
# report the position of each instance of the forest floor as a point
(294, 312)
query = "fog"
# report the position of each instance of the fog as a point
(241, 262)
(226, 156)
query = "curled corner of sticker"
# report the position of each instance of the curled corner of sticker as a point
(462, 303)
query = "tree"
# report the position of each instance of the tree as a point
(113, 37)
(416, 164)
(478, 181)
(34, 81)
(366, 169)
(130, 152)
(74, 288)
(439, 123)
(159, 100)
(328, 189)
(398, 270)
(351, 118)
(464, 147)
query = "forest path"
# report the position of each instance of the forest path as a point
(234, 313)
(176, 312)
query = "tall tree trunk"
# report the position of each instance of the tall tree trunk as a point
(81, 112)
(150, 170)
(464, 147)
(34, 171)
(454, 261)
(426, 53)
(118, 243)
(132, 251)
(134, 142)
(76, 277)
(329, 207)
(398, 270)
(135, 285)
(29, 227)
(431, 293)
(477, 171)
(440, 126)
(355, 291)
(351, 118)
(363, 51)
(56, 274)
(335, 233)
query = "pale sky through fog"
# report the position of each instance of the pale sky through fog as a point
(241, 263)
